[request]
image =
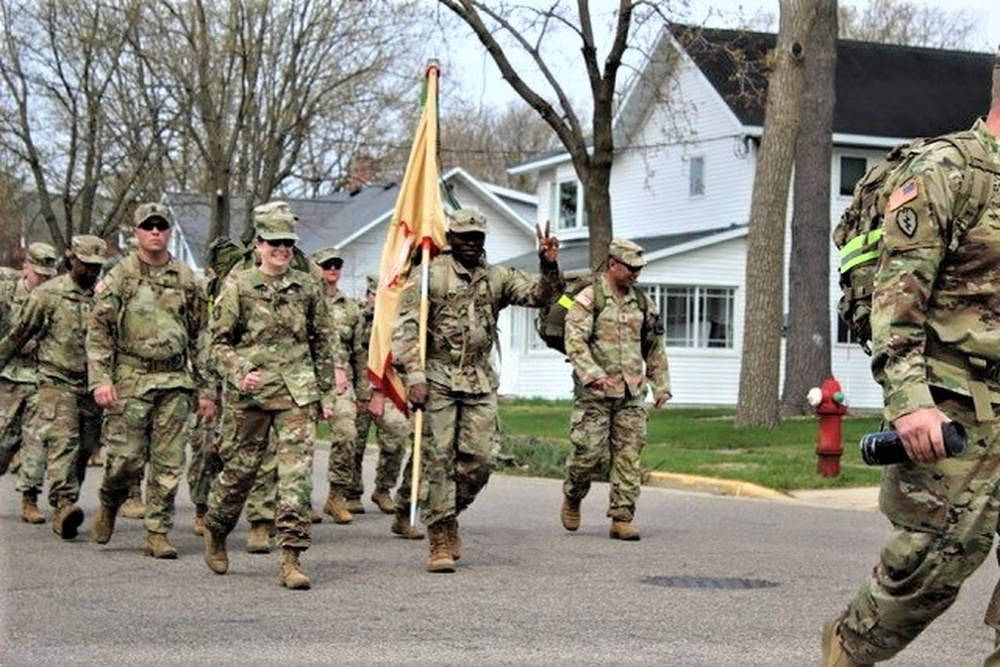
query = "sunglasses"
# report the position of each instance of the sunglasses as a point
(332, 264)
(631, 269)
(279, 243)
(159, 225)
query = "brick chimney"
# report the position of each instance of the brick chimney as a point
(361, 172)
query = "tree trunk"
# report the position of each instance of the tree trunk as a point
(758, 396)
(597, 199)
(807, 351)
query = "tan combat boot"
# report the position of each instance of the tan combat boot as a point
(292, 575)
(336, 506)
(454, 539)
(354, 506)
(623, 530)
(104, 524)
(401, 526)
(259, 541)
(29, 508)
(383, 500)
(215, 552)
(833, 652)
(570, 513)
(199, 519)
(440, 558)
(134, 508)
(158, 546)
(66, 520)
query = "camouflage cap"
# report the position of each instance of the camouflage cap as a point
(465, 220)
(144, 212)
(325, 255)
(274, 220)
(43, 258)
(372, 283)
(627, 252)
(89, 249)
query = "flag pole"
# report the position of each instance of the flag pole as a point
(418, 415)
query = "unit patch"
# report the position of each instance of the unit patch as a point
(906, 220)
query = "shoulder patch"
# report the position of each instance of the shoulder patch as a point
(904, 193)
(585, 298)
(100, 287)
(906, 220)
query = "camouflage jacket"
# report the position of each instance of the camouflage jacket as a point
(23, 366)
(608, 344)
(280, 327)
(462, 322)
(344, 313)
(55, 317)
(144, 328)
(937, 286)
(362, 337)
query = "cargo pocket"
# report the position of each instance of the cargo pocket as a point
(915, 496)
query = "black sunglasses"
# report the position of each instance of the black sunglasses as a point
(159, 224)
(332, 264)
(631, 269)
(277, 243)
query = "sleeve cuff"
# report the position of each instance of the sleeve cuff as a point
(907, 399)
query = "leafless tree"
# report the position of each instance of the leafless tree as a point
(905, 22)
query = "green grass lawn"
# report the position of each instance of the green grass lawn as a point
(698, 441)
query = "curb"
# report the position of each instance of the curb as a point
(722, 487)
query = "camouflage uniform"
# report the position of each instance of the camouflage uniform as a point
(204, 463)
(612, 422)
(936, 343)
(55, 318)
(279, 326)
(18, 381)
(460, 426)
(143, 341)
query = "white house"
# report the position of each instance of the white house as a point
(682, 184)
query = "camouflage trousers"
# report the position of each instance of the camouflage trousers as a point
(152, 430)
(460, 444)
(344, 469)
(294, 433)
(55, 429)
(944, 518)
(607, 432)
(204, 463)
(392, 433)
(17, 400)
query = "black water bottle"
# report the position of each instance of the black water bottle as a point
(886, 447)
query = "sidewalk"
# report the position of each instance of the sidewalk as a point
(863, 498)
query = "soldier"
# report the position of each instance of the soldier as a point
(935, 353)
(457, 388)
(142, 349)
(272, 343)
(18, 379)
(615, 344)
(344, 469)
(55, 318)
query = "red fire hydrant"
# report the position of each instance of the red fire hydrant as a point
(830, 405)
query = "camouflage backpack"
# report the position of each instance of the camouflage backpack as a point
(858, 235)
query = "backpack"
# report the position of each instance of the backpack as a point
(858, 234)
(551, 319)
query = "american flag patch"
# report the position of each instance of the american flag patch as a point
(904, 193)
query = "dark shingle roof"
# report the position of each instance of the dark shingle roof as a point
(882, 90)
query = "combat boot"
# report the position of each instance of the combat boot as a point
(314, 517)
(199, 519)
(67, 519)
(833, 652)
(570, 513)
(623, 530)
(259, 541)
(29, 508)
(336, 506)
(440, 558)
(158, 546)
(292, 575)
(215, 552)
(401, 526)
(454, 539)
(134, 508)
(354, 506)
(383, 499)
(104, 524)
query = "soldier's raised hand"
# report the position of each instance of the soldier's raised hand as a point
(548, 245)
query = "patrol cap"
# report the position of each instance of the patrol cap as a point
(89, 249)
(372, 282)
(325, 255)
(465, 220)
(43, 258)
(627, 252)
(274, 221)
(144, 212)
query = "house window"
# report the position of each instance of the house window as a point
(696, 176)
(851, 170)
(567, 205)
(844, 333)
(698, 317)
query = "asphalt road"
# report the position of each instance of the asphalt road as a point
(714, 581)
